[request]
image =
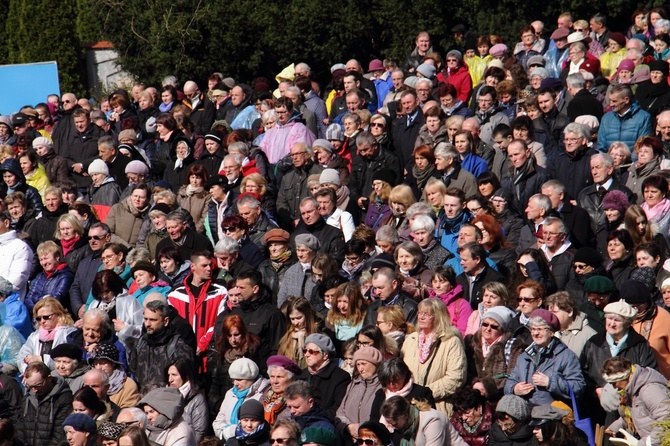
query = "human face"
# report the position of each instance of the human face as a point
(645, 154)
(174, 378)
(425, 320)
(616, 250)
(314, 357)
(26, 165)
(440, 285)
(75, 437)
(47, 318)
(533, 211)
(326, 206)
(476, 208)
(105, 365)
(618, 103)
(615, 325)
(309, 213)
(110, 259)
(517, 155)
(564, 317)
(498, 204)
(49, 262)
(202, 268)
(276, 249)
(139, 198)
(442, 163)
(168, 265)
(249, 425)
(423, 43)
(283, 115)
(153, 321)
(485, 102)
(81, 123)
(175, 229)
(657, 77)
(342, 305)
(93, 330)
(545, 102)
(491, 330)
(432, 123)
(236, 96)
(304, 254)
(573, 142)
(94, 381)
(420, 162)
(322, 156)
(536, 82)
(528, 302)
(575, 54)
(422, 237)
(409, 104)
(349, 83)
(143, 278)
(232, 169)
(541, 335)
(384, 289)
(434, 197)
(666, 296)
(367, 151)
(299, 406)
(365, 369)
(398, 209)
(452, 206)
(470, 265)
(353, 103)
(462, 144)
(652, 196)
(448, 101)
(9, 178)
(599, 171)
(491, 300)
(16, 210)
(405, 260)
(643, 259)
(384, 326)
(467, 235)
(553, 239)
(399, 423)
(279, 380)
(350, 126)
(65, 366)
(299, 155)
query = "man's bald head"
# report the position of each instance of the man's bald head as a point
(154, 296)
(354, 65)
(69, 101)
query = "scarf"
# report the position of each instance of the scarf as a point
(241, 396)
(185, 390)
(47, 335)
(410, 431)
(133, 210)
(352, 271)
(407, 388)
(422, 175)
(241, 435)
(425, 343)
(165, 108)
(484, 116)
(615, 347)
(282, 258)
(180, 161)
(116, 381)
(190, 190)
(658, 212)
(342, 196)
(68, 245)
(273, 404)
(450, 297)
(486, 347)
(647, 319)
(235, 353)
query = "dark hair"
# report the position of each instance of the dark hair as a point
(32, 157)
(393, 369)
(542, 264)
(488, 177)
(623, 236)
(657, 182)
(331, 282)
(354, 246)
(523, 122)
(488, 90)
(445, 90)
(496, 72)
(284, 102)
(650, 248)
(107, 280)
(90, 400)
(7, 430)
(167, 121)
(378, 340)
(172, 91)
(445, 272)
(170, 252)
(186, 370)
(235, 221)
(395, 407)
(468, 398)
(476, 250)
(254, 276)
(503, 130)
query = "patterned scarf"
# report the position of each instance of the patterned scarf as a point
(425, 343)
(235, 353)
(273, 404)
(279, 261)
(410, 431)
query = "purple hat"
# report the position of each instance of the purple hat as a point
(285, 363)
(615, 199)
(548, 317)
(618, 38)
(375, 65)
(627, 65)
(498, 50)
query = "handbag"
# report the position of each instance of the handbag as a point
(583, 424)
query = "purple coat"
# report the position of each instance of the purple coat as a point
(376, 217)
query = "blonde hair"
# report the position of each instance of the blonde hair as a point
(165, 196)
(51, 302)
(73, 221)
(258, 179)
(402, 194)
(396, 317)
(49, 247)
(439, 311)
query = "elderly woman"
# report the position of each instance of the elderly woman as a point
(537, 75)
(615, 52)
(433, 131)
(104, 190)
(492, 352)
(54, 327)
(379, 212)
(55, 279)
(247, 384)
(415, 276)
(656, 205)
(649, 151)
(69, 365)
(529, 46)
(512, 423)
(193, 197)
(574, 327)
(449, 102)
(621, 256)
(181, 375)
(456, 73)
(651, 95)
(111, 296)
(423, 232)
(122, 389)
(125, 218)
(282, 372)
(326, 157)
(548, 369)
(435, 353)
(493, 294)
(73, 242)
(380, 129)
(473, 417)
(280, 259)
(147, 282)
(298, 280)
(236, 227)
(356, 406)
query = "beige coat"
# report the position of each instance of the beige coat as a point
(128, 396)
(196, 205)
(577, 334)
(445, 370)
(125, 223)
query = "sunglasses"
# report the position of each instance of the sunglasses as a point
(366, 441)
(46, 317)
(527, 299)
(229, 229)
(376, 124)
(278, 440)
(97, 237)
(491, 326)
(310, 351)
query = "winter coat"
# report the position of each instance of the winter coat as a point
(574, 171)
(522, 437)
(154, 237)
(107, 194)
(357, 403)
(16, 315)
(474, 164)
(589, 200)
(460, 79)
(658, 338)
(529, 184)
(125, 221)
(481, 435)
(196, 414)
(56, 284)
(362, 171)
(222, 426)
(493, 370)
(296, 282)
(40, 422)
(278, 140)
(257, 232)
(272, 277)
(461, 179)
(331, 383)
(81, 148)
(378, 215)
(473, 292)
(55, 167)
(627, 128)
(76, 380)
(649, 403)
(435, 256)
(435, 430)
(196, 205)
(405, 135)
(178, 176)
(77, 253)
(33, 346)
(427, 138)
(331, 239)
(621, 270)
(170, 429)
(637, 175)
(577, 334)
(83, 280)
(444, 371)
(212, 162)
(294, 188)
(128, 396)
(556, 361)
(44, 226)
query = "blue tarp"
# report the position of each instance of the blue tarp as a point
(27, 84)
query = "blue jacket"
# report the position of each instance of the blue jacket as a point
(627, 128)
(447, 231)
(58, 286)
(155, 287)
(559, 363)
(474, 164)
(16, 315)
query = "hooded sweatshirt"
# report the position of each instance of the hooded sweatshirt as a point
(169, 427)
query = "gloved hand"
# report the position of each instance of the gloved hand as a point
(629, 440)
(609, 398)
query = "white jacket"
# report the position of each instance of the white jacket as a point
(32, 346)
(223, 429)
(128, 310)
(343, 221)
(17, 261)
(436, 430)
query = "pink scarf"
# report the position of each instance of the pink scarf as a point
(425, 343)
(486, 347)
(657, 212)
(47, 335)
(402, 392)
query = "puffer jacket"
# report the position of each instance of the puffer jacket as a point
(41, 421)
(444, 371)
(55, 167)
(57, 284)
(357, 403)
(196, 413)
(196, 204)
(223, 429)
(480, 436)
(33, 197)
(125, 221)
(577, 334)
(107, 194)
(77, 253)
(627, 128)
(556, 361)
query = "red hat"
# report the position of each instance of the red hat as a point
(375, 65)
(548, 317)
(592, 66)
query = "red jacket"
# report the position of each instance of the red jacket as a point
(460, 79)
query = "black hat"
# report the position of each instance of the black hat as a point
(634, 292)
(214, 135)
(143, 265)
(379, 430)
(217, 180)
(588, 255)
(104, 351)
(386, 175)
(505, 194)
(19, 119)
(162, 207)
(252, 409)
(459, 29)
(66, 350)
(383, 260)
(659, 65)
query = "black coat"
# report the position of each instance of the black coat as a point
(404, 137)
(193, 242)
(579, 224)
(474, 296)
(530, 184)
(362, 170)
(408, 305)
(117, 169)
(330, 237)
(331, 384)
(272, 277)
(40, 422)
(573, 171)
(203, 115)
(82, 148)
(592, 202)
(584, 103)
(44, 227)
(419, 393)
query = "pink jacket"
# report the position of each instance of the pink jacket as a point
(278, 140)
(459, 308)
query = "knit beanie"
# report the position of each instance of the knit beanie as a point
(588, 256)
(634, 292)
(615, 199)
(599, 285)
(128, 134)
(646, 276)
(323, 144)
(137, 167)
(330, 176)
(42, 141)
(539, 71)
(627, 65)
(501, 314)
(252, 409)
(369, 354)
(426, 70)
(455, 54)
(385, 175)
(243, 368)
(98, 166)
(334, 133)
(514, 406)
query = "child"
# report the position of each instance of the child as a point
(348, 311)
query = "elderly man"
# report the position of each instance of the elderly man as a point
(481, 149)
(557, 250)
(232, 167)
(405, 129)
(258, 220)
(97, 328)
(599, 290)
(626, 122)
(203, 111)
(388, 291)
(288, 132)
(296, 96)
(583, 102)
(538, 208)
(293, 186)
(663, 127)
(575, 218)
(186, 240)
(240, 113)
(98, 380)
(311, 222)
(527, 177)
(476, 273)
(116, 163)
(229, 261)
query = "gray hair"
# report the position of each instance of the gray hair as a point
(387, 273)
(424, 80)
(97, 313)
(576, 80)
(558, 187)
(578, 129)
(542, 201)
(538, 322)
(170, 80)
(268, 115)
(103, 375)
(365, 138)
(137, 414)
(420, 208)
(299, 389)
(248, 200)
(446, 150)
(302, 66)
(606, 157)
(227, 245)
(158, 306)
(241, 147)
(412, 249)
(387, 234)
(235, 158)
(562, 228)
(306, 200)
(272, 368)
(353, 116)
(423, 222)
(138, 254)
(177, 215)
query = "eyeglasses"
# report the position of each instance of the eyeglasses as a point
(46, 317)
(364, 343)
(580, 266)
(377, 124)
(97, 237)
(527, 299)
(311, 352)
(229, 229)
(366, 441)
(278, 440)
(424, 314)
(551, 234)
(36, 386)
(491, 326)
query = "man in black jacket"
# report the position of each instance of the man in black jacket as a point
(583, 102)
(406, 128)
(203, 111)
(576, 219)
(476, 272)
(387, 291)
(311, 222)
(82, 146)
(116, 162)
(527, 178)
(186, 240)
(572, 165)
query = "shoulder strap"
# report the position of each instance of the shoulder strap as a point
(435, 346)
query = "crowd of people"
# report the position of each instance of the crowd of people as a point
(460, 250)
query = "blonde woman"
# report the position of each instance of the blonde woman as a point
(379, 211)
(255, 183)
(393, 324)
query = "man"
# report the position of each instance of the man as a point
(527, 177)
(98, 380)
(186, 240)
(232, 167)
(476, 273)
(422, 48)
(333, 216)
(502, 137)
(574, 217)
(301, 401)
(133, 416)
(365, 84)
(583, 102)
(626, 122)
(259, 220)
(64, 128)
(17, 257)
(449, 222)
(220, 206)
(323, 374)
(369, 158)
(599, 290)
(509, 219)
(591, 197)
(45, 406)
(203, 110)
(469, 233)
(98, 235)
(488, 114)
(423, 87)
(229, 261)
(481, 149)
(405, 129)
(311, 222)
(240, 113)
(157, 347)
(552, 119)
(81, 148)
(352, 82)
(80, 430)
(288, 131)
(295, 95)
(557, 250)
(448, 161)
(538, 208)
(663, 127)
(572, 165)
(302, 70)
(116, 163)
(313, 102)
(199, 300)
(261, 317)
(293, 186)
(386, 290)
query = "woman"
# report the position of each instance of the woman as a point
(282, 372)
(512, 426)
(614, 205)
(193, 197)
(104, 191)
(164, 407)
(415, 276)
(372, 336)
(15, 181)
(449, 102)
(435, 353)
(301, 323)
(147, 282)
(380, 129)
(574, 330)
(158, 230)
(400, 198)
(434, 192)
(393, 324)
(298, 280)
(465, 146)
(621, 155)
(487, 184)
(529, 46)
(34, 172)
(548, 369)
(621, 259)
(523, 128)
(177, 172)
(496, 246)
(55, 279)
(472, 418)
(122, 389)
(54, 327)
(494, 294)
(325, 156)
(55, 166)
(644, 400)
(456, 73)
(280, 258)
(642, 231)
(422, 170)
(211, 159)
(111, 296)
(348, 311)
(356, 406)
(492, 352)
(134, 436)
(247, 385)
(73, 242)
(285, 432)
(233, 342)
(653, 93)
(21, 217)
(236, 227)
(443, 285)
(532, 264)
(255, 183)
(379, 212)
(649, 151)
(169, 136)
(181, 374)
(121, 111)
(86, 401)
(649, 255)
(614, 54)
(69, 365)
(656, 205)
(252, 428)
(433, 131)
(169, 98)
(173, 269)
